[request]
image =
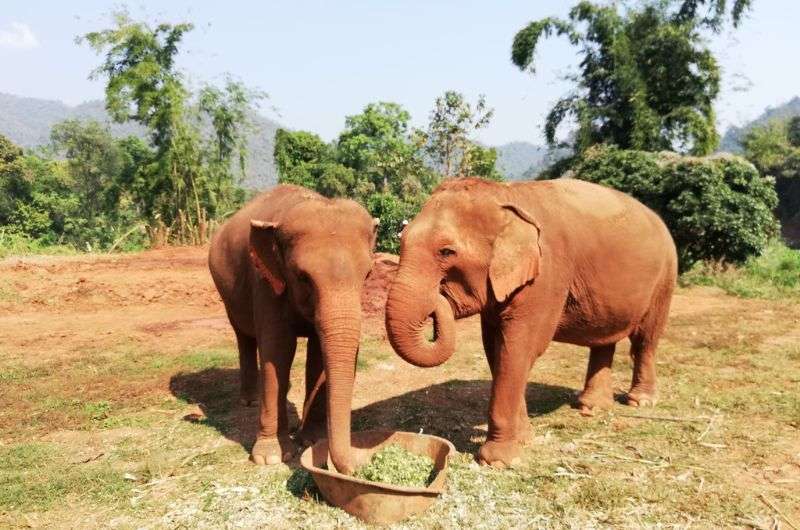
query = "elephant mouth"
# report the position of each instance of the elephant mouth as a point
(459, 310)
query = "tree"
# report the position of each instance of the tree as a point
(191, 178)
(376, 160)
(448, 137)
(690, 10)
(481, 162)
(95, 162)
(378, 146)
(15, 180)
(774, 148)
(647, 79)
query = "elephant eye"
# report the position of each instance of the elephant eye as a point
(446, 252)
(304, 278)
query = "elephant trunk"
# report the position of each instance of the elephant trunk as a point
(408, 308)
(338, 325)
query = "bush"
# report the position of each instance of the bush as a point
(717, 208)
(773, 274)
(16, 244)
(392, 211)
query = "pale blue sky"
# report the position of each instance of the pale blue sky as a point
(321, 61)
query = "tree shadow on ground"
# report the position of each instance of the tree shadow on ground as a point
(455, 409)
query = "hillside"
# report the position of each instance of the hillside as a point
(733, 136)
(516, 159)
(27, 122)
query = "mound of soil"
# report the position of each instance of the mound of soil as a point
(376, 286)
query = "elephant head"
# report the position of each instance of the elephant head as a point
(471, 246)
(318, 257)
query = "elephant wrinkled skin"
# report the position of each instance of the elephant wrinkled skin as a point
(290, 264)
(561, 260)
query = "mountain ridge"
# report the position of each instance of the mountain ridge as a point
(27, 122)
(731, 140)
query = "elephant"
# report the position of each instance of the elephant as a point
(291, 264)
(560, 260)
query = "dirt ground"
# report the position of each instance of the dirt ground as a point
(121, 369)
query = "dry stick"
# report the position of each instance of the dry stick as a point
(123, 237)
(664, 418)
(785, 518)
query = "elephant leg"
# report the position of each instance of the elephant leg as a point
(519, 346)
(248, 369)
(644, 341)
(490, 338)
(273, 444)
(313, 425)
(643, 383)
(598, 392)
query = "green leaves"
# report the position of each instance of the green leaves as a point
(191, 178)
(523, 49)
(375, 160)
(447, 140)
(393, 464)
(646, 81)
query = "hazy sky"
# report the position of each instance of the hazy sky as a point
(321, 61)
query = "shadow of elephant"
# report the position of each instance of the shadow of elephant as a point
(455, 409)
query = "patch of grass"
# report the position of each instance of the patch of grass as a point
(17, 374)
(97, 411)
(12, 244)
(773, 275)
(36, 477)
(218, 358)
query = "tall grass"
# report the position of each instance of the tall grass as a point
(15, 244)
(773, 274)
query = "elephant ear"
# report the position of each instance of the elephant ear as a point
(265, 254)
(516, 253)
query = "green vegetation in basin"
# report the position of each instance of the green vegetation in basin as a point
(397, 466)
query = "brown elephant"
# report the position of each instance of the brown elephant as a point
(290, 264)
(561, 260)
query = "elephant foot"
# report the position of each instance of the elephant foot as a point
(641, 397)
(499, 455)
(272, 450)
(590, 401)
(310, 434)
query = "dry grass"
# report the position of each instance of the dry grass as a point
(141, 428)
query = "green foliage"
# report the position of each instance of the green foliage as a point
(302, 158)
(717, 209)
(447, 138)
(115, 193)
(793, 131)
(378, 147)
(647, 80)
(774, 148)
(775, 274)
(379, 161)
(690, 10)
(190, 179)
(393, 464)
(482, 162)
(769, 148)
(376, 161)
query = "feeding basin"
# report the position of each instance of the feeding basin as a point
(378, 502)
